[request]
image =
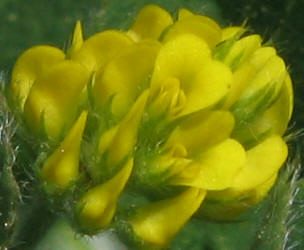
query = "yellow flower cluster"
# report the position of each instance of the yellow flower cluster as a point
(181, 103)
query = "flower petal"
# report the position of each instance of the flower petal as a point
(180, 58)
(97, 206)
(263, 161)
(259, 95)
(63, 165)
(158, 222)
(31, 64)
(203, 81)
(216, 168)
(226, 208)
(125, 138)
(184, 13)
(241, 50)
(170, 163)
(125, 77)
(100, 48)
(231, 32)
(210, 85)
(202, 130)
(151, 21)
(201, 26)
(52, 102)
(273, 121)
(244, 74)
(273, 71)
(77, 39)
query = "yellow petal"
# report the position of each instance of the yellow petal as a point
(77, 39)
(31, 64)
(151, 21)
(62, 166)
(273, 72)
(260, 57)
(220, 206)
(125, 77)
(231, 32)
(244, 74)
(171, 162)
(202, 130)
(262, 190)
(263, 161)
(200, 26)
(53, 100)
(209, 86)
(242, 50)
(187, 59)
(125, 138)
(251, 196)
(184, 13)
(216, 168)
(159, 222)
(100, 48)
(258, 96)
(97, 206)
(106, 139)
(273, 121)
(287, 92)
(181, 58)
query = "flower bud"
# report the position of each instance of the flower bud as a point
(62, 167)
(123, 142)
(77, 40)
(97, 207)
(158, 222)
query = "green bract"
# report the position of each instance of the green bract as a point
(183, 113)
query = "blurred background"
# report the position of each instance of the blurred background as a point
(25, 23)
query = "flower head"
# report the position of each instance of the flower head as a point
(183, 113)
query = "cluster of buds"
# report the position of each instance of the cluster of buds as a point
(185, 114)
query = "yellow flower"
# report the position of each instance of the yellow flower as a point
(187, 61)
(186, 110)
(62, 166)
